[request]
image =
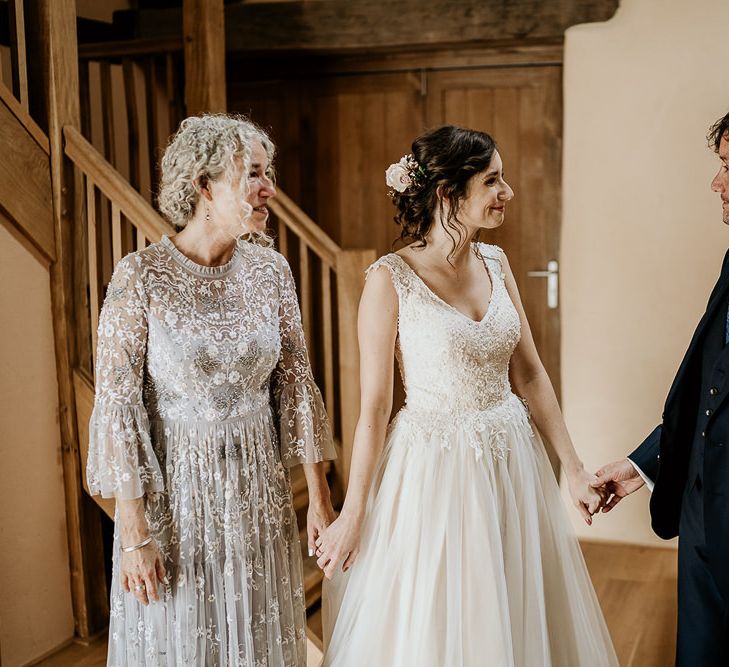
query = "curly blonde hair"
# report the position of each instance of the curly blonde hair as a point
(203, 149)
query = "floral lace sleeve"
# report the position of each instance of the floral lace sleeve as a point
(305, 436)
(121, 461)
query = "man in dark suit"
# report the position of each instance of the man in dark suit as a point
(687, 458)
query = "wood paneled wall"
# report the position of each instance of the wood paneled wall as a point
(335, 138)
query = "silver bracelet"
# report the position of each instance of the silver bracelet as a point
(134, 547)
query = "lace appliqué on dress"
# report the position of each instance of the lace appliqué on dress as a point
(486, 431)
(455, 370)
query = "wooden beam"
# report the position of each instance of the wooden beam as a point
(305, 289)
(107, 106)
(343, 25)
(351, 265)
(286, 66)
(128, 48)
(52, 32)
(327, 335)
(25, 184)
(203, 24)
(132, 107)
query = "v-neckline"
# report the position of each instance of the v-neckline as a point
(444, 302)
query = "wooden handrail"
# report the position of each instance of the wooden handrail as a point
(126, 48)
(114, 186)
(305, 228)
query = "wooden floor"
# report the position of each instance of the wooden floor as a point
(637, 591)
(77, 655)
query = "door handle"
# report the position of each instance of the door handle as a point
(552, 276)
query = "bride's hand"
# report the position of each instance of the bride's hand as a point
(585, 498)
(338, 544)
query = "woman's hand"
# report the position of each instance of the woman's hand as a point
(319, 516)
(142, 571)
(339, 544)
(585, 497)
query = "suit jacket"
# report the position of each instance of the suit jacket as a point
(664, 455)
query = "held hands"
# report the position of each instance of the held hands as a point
(586, 497)
(617, 480)
(612, 482)
(339, 544)
(318, 518)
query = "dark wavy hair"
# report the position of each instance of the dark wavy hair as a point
(449, 156)
(717, 131)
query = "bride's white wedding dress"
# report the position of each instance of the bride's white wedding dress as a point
(467, 555)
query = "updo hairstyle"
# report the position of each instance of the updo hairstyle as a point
(203, 149)
(449, 156)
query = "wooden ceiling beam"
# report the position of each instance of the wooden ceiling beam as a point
(204, 46)
(346, 25)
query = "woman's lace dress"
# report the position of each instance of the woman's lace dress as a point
(204, 398)
(467, 556)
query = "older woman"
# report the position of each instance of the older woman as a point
(204, 398)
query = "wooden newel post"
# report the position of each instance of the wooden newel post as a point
(203, 25)
(351, 265)
(55, 90)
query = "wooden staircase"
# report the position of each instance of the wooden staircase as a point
(79, 197)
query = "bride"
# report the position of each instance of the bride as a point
(453, 525)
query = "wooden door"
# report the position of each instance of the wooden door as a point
(521, 108)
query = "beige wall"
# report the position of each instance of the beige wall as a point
(642, 234)
(35, 599)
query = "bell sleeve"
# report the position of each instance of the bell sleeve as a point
(121, 461)
(304, 431)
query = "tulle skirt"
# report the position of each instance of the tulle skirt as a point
(467, 555)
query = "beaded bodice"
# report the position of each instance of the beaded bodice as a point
(449, 362)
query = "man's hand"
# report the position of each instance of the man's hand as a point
(619, 479)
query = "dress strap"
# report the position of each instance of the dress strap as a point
(492, 255)
(400, 272)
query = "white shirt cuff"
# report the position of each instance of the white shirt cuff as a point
(648, 481)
